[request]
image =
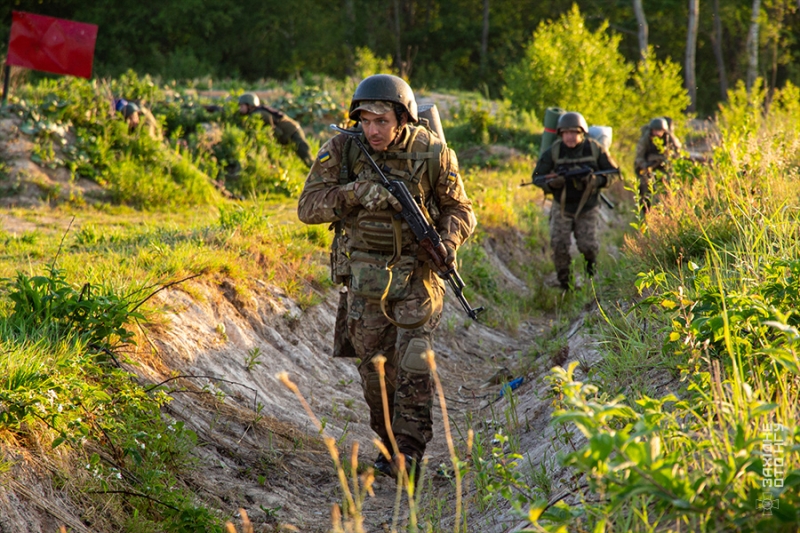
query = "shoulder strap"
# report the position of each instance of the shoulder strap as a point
(344, 169)
(555, 151)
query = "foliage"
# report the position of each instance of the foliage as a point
(569, 66)
(62, 381)
(722, 454)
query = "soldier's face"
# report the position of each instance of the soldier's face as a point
(380, 130)
(243, 109)
(658, 133)
(571, 138)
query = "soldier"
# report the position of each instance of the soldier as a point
(286, 130)
(578, 198)
(398, 322)
(652, 156)
(131, 111)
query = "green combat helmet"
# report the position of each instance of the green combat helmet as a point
(249, 99)
(386, 88)
(129, 109)
(659, 124)
(571, 120)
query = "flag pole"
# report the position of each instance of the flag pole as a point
(6, 76)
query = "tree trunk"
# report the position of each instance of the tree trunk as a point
(642, 23)
(752, 47)
(398, 54)
(691, 53)
(485, 37)
(350, 21)
(716, 42)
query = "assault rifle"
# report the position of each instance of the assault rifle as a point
(424, 232)
(575, 174)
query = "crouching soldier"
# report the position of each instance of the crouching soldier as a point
(287, 131)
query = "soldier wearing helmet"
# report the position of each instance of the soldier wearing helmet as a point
(655, 147)
(134, 115)
(579, 210)
(287, 131)
(394, 317)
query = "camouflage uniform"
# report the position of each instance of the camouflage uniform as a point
(367, 244)
(651, 158)
(287, 131)
(559, 157)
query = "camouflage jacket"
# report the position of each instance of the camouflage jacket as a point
(648, 152)
(442, 196)
(283, 126)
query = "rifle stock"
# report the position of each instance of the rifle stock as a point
(425, 234)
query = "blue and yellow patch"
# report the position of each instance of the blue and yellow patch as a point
(452, 175)
(324, 157)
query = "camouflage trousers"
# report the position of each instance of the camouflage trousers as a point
(409, 385)
(584, 226)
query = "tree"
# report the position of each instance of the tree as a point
(752, 47)
(691, 53)
(567, 65)
(641, 22)
(716, 42)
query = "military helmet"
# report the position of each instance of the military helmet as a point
(571, 120)
(249, 99)
(385, 88)
(659, 124)
(129, 109)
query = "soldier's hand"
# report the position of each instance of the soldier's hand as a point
(556, 183)
(373, 196)
(447, 251)
(450, 258)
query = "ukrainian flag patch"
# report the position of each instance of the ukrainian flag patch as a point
(452, 175)
(324, 157)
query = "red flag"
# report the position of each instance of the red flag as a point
(52, 45)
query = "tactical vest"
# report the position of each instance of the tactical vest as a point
(374, 231)
(574, 195)
(591, 153)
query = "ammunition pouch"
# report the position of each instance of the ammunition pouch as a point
(375, 231)
(369, 276)
(342, 347)
(339, 261)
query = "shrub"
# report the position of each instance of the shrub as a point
(569, 66)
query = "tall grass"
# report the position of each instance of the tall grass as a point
(720, 452)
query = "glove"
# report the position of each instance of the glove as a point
(371, 195)
(556, 183)
(447, 250)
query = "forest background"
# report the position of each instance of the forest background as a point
(453, 44)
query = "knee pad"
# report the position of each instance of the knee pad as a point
(412, 361)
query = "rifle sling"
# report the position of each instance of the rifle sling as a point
(398, 246)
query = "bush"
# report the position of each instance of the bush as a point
(569, 66)
(566, 65)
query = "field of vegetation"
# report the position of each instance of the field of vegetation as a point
(704, 290)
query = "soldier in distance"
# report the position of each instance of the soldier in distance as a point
(655, 148)
(287, 131)
(575, 209)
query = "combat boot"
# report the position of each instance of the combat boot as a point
(410, 463)
(591, 268)
(383, 466)
(564, 279)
